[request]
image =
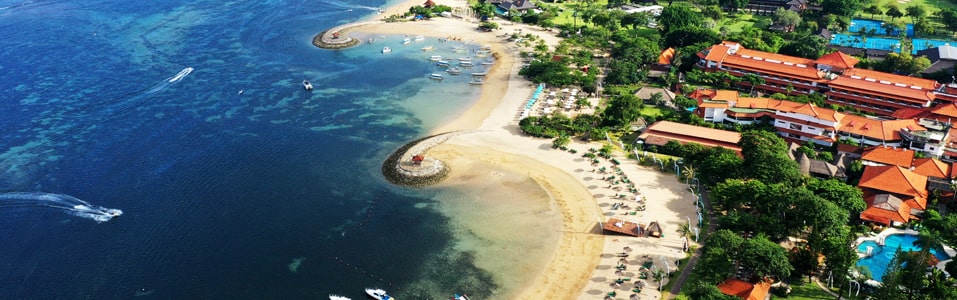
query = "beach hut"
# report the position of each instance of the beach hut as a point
(654, 229)
(428, 4)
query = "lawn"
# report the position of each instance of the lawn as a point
(806, 291)
(739, 22)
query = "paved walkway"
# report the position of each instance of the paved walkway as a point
(689, 267)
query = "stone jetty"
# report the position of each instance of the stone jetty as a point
(400, 167)
(336, 37)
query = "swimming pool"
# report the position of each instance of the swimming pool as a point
(875, 27)
(881, 256)
(882, 43)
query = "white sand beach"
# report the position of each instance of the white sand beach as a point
(582, 265)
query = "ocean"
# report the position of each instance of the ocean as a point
(234, 182)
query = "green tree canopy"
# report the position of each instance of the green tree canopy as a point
(844, 8)
(765, 258)
(733, 5)
(622, 110)
(765, 157)
(674, 17)
(805, 45)
(847, 197)
(787, 18)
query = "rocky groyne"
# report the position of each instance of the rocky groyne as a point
(399, 167)
(335, 38)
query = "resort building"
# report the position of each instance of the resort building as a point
(803, 122)
(820, 168)
(745, 290)
(942, 58)
(661, 132)
(833, 75)
(894, 195)
(887, 156)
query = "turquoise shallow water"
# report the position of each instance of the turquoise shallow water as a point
(221, 191)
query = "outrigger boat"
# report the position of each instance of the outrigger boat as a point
(477, 82)
(436, 76)
(442, 63)
(435, 58)
(479, 74)
(454, 71)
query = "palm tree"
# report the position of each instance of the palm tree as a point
(659, 276)
(929, 240)
(689, 173)
(684, 230)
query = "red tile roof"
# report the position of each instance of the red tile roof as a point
(908, 113)
(884, 208)
(926, 84)
(666, 55)
(897, 180)
(717, 53)
(745, 290)
(662, 131)
(838, 59)
(874, 87)
(931, 167)
(773, 66)
(774, 56)
(884, 130)
(791, 107)
(946, 110)
(889, 156)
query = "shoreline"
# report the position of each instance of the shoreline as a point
(579, 266)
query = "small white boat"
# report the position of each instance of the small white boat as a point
(419, 38)
(465, 59)
(379, 294)
(436, 76)
(466, 64)
(479, 74)
(386, 49)
(477, 82)
(442, 63)
(488, 63)
(337, 297)
(406, 41)
(454, 71)
(428, 48)
(307, 85)
(435, 58)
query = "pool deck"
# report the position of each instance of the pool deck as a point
(879, 239)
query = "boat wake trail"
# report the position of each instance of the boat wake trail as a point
(150, 94)
(66, 203)
(343, 4)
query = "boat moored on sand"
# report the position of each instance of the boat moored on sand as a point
(379, 294)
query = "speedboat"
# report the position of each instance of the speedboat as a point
(442, 63)
(466, 64)
(386, 49)
(465, 59)
(436, 76)
(479, 74)
(406, 41)
(435, 58)
(454, 71)
(337, 297)
(477, 82)
(460, 297)
(306, 84)
(379, 294)
(419, 38)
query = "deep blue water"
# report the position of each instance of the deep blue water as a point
(220, 190)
